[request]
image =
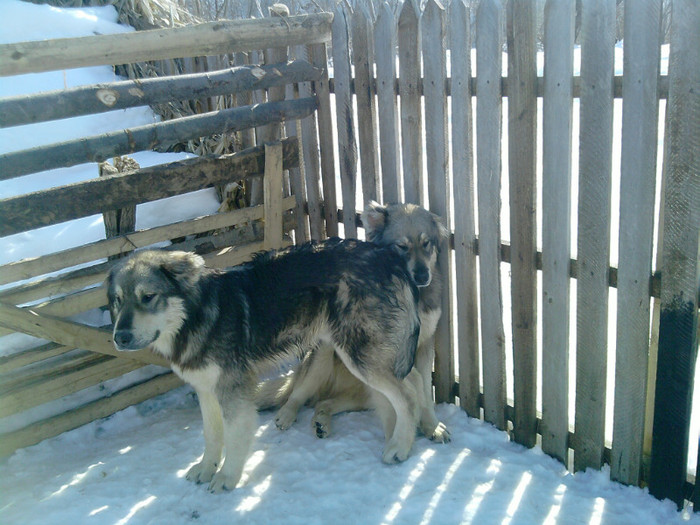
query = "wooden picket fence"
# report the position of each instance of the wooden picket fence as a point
(415, 133)
(413, 124)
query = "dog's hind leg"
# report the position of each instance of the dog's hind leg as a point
(431, 427)
(203, 471)
(327, 408)
(313, 372)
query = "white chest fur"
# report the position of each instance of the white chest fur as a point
(201, 378)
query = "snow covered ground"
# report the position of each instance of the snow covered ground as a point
(129, 468)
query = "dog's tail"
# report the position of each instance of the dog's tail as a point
(273, 393)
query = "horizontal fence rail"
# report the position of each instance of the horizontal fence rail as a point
(199, 40)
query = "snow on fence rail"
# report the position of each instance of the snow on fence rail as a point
(435, 107)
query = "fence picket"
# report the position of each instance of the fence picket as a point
(678, 337)
(409, 91)
(385, 50)
(489, 46)
(463, 186)
(556, 224)
(309, 142)
(363, 57)
(347, 147)
(433, 24)
(637, 189)
(326, 139)
(522, 133)
(593, 252)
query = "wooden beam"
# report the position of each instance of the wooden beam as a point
(206, 39)
(99, 148)
(36, 432)
(69, 333)
(98, 98)
(18, 214)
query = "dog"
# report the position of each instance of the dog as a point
(221, 329)
(322, 380)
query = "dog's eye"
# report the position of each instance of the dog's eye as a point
(402, 247)
(427, 245)
(147, 298)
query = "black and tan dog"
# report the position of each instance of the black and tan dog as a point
(219, 330)
(322, 380)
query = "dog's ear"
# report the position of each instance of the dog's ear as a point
(185, 267)
(374, 219)
(443, 232)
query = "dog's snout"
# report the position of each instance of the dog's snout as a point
(123, 338)
(422, 276)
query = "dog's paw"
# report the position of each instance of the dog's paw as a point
(222, 483)
(440, 434)
(394, 454)
(201, 472)
(285, 418)
(321, 425)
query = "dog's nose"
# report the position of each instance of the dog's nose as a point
(123, 338)
(422, 276)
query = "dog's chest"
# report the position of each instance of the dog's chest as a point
(428, 323)
(204, 378)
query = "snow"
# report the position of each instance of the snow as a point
(129, 468)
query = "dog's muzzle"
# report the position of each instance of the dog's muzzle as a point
(125, 341)
(422, 276)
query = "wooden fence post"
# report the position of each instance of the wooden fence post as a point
(463, 184)
(347, 147)
(409, 90)
(272, 191)
(489, 45)
(556, 224)
(385, 50)
(522, 133)
(678, 336)
(637, 189)
(593, 253)
(433, 29)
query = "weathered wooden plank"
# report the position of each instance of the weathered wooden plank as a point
(32, 355)
(385, 51)
(36, 432)
(326, 139)
(594, 214)
(102, 147)
(556, 224)
(94, 196)
(98, 98)
(56, 383)
(363, 59)
(69, 333)
(433, 35)
(489, 45)
(272, 184)
(206, 39)
(678, 329)
(410, 90)
(637, 190)
(522, 125)
(463, 189)
(310, 153)
(297, 180)
(347, 146)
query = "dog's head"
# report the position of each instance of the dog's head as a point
(413, 232)
(146, 295)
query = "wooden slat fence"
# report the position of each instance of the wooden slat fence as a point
(558, 338)
(37, 302)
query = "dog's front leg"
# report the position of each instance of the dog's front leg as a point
(204, 471)
(240, 419)
(431, 427)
